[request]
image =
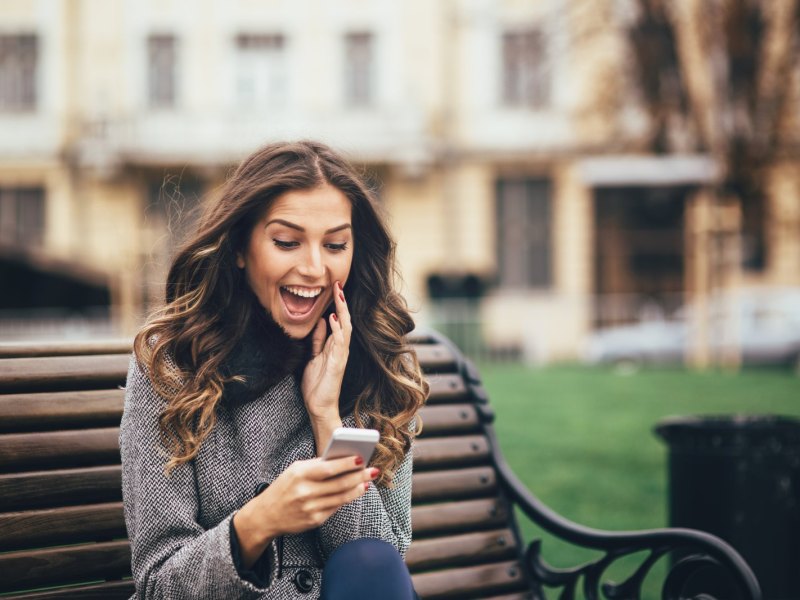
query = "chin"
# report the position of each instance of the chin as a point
(297, 332)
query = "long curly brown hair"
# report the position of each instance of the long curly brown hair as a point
(209, 307)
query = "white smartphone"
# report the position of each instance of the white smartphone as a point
(351, 441)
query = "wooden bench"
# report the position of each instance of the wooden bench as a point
(62, 533)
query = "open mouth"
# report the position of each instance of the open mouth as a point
(298, 300)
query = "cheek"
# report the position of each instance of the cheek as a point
(268, 266)
(345, 268)
(257, 278)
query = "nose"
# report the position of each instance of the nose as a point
(311, 265)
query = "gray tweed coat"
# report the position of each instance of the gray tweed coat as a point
(179, 525)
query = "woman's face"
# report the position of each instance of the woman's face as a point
(297, 251)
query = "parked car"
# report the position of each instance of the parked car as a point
(764, 323)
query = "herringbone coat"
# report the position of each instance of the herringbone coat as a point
(179, 525)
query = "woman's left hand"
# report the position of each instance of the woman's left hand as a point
(322, 378)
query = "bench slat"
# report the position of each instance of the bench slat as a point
(44, 489)
(116, 346)
(454, 517)
(34, 349)
(71, 564)
(450, 451)
(111, 590)
(71, 448)
(435, 358)
(68, 525)
(60, 410)
(113, 346)
(100, 522)
(54, 449)
(469, 582)
(63, 410)
(91, 485)
(62, 373)
(448, 419)
(446, 388)
(459, 550)
(428, 351)
(453, 484)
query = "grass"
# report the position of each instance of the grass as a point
(582, 438)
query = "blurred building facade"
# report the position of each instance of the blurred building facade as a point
(499, 134)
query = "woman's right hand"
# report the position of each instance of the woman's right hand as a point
(300, 498)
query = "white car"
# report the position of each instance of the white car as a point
(764, 323)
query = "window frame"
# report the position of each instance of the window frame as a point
(519, 224)
(270, 48)
(526, 79)
(21, 224)
(162, 80)
(19, 60)
(359, 69)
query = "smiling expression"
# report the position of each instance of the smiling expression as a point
(296, 252)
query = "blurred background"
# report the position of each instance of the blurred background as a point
(615, 182)
(551, 169)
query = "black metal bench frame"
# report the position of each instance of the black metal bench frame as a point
(700, 550)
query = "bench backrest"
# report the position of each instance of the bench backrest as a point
(61, 520)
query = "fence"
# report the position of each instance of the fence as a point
(461, 319)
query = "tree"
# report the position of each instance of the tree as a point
(715, 75)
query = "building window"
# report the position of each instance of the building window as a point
(358, 70)
(261, 70)
(22, 216)
(526, 80)
(18, 59)
(162, 65)
(524, 233)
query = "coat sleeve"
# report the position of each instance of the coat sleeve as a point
(173, 556)
(383, 513)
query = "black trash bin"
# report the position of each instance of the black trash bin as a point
(738, 477)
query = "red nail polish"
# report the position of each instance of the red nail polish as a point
(341, 296)
(374, 472)
(366, 485)
(334, 317)
(359, 461)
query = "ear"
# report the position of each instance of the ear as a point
(239, 260)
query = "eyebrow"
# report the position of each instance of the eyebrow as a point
(291, 225)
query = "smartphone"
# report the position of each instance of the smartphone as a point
(351, 441)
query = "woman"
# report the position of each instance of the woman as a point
(280, 324)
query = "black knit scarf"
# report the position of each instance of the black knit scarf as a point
(264, 356)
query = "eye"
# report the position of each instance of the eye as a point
(286, 245)
(336, 247)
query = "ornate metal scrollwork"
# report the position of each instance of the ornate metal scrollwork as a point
(677, 585)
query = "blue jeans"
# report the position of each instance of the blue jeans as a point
(366, 568)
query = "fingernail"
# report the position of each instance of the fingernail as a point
(359, 461)
(335, 318)
(374, 472)
(342, 297)
(366, 485)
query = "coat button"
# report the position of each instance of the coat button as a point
(303, 581)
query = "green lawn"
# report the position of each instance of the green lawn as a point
(582, 438)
